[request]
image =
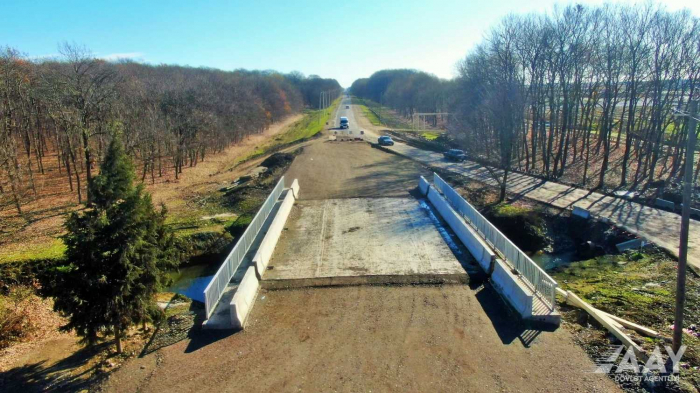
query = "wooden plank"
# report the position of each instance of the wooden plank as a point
(620, 321)
(631, 325)
(608, 323)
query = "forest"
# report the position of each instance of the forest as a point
(64, 112)
(585, 94)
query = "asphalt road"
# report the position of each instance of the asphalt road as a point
(655, 225)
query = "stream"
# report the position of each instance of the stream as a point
(191, 280)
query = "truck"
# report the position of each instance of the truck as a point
(344, 123)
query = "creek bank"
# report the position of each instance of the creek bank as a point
(243, 199)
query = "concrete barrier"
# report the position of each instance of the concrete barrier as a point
(262, 257)
(512, 289)
(583, 213)
(630, 245)
(693, 212)
(469, 237)
(665, 204)
(423, 185)
(244, 298)
(295, 188)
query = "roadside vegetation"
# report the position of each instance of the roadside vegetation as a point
(585, 95)
(638, 286)
(313, 122)
(380, 115)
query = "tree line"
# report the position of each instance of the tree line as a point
(170, 117)
(406, 91)
(541, 93)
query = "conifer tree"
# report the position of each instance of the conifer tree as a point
(118, 252)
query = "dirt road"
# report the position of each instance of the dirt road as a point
(368, 338)
(449, 338)
(329, 170)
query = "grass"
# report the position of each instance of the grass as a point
(54, 250)
(638, 286)
(430, 136)
(311, 124)
(508, 210)
(370, 115)
(389, 118)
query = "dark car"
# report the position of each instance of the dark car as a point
(385, 141)
(455, 155)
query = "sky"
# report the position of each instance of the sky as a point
(345, 40)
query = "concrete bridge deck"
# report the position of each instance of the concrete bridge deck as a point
(366, 241)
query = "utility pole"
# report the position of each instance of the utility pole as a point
(685, 224)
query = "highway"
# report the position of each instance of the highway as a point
(354, 129)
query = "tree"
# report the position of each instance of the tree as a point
(118, 251)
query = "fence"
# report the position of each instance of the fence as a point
(213, 291)
(539, 281)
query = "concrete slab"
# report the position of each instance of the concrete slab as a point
(366, 240)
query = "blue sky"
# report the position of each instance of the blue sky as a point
(339, 39)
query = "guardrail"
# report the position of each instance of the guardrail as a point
(538, 279)
(217, 285)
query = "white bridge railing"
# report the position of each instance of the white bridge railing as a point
(215, 289)
(543, 285)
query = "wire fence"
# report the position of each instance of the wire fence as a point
(538, 279)
(217, 285)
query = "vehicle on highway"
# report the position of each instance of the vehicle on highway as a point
(347, 106)
(455, 155)
(385, 141)
(344, 122)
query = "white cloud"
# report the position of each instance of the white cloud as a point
(122, 56)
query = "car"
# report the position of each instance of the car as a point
(347, 106)
(385, 141)
(344, 123)
(455, 155)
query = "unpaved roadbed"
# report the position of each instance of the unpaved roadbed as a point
(372, 338)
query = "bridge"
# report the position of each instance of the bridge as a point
(431, 236)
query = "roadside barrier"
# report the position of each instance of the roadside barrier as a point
(216, 287)
(543, 285)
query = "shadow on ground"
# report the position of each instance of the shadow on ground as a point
(181, 326)
(58, 377)
(504, 320)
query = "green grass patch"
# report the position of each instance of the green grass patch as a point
(506, 210)
(430, 136)
(371, 116)
(53, 250)
(311, 124)
(640, 287)
(388, 117)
